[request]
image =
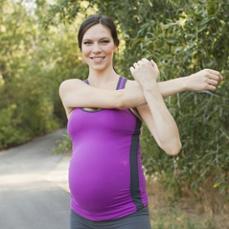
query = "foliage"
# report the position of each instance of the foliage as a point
(181, 36)
(33, 62)
(8, 134)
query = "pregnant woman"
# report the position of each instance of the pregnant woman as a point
(105, 114)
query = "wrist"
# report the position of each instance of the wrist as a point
(185, 83)
(149, 85)
(151, 88)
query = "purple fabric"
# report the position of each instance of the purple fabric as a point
(99, 171)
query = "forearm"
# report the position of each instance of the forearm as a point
(165, 126)
(206, 79)
(134, 96)
(173, 86)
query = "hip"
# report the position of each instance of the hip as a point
(139, 219)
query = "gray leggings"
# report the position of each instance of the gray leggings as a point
(137, 220)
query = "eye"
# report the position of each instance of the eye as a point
(87, 42)
(105, 41)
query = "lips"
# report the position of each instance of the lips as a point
(97, 59)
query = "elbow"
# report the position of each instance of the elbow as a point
(175, 150)
(172, 148)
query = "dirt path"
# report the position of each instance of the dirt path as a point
(33, 186)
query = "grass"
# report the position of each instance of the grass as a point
(175, 218)
(184, 213)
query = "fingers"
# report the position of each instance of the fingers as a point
(138, 64)
(135, 65)
(211, 87)
(144, 70)
(212, 79)
(153, 63)
(212, 82)
(144, 61)
(132, 69)
(214, 73)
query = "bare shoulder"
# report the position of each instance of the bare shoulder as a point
(65, 90)
(68, 85)
(70, 82)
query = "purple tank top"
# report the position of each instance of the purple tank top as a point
(106, 178)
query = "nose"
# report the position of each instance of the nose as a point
(96, 48)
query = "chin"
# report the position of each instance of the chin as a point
(99, 68)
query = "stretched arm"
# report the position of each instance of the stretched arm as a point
(75, 93)
(206, 79)
(164, 129)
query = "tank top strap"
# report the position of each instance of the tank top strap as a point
(133, 110)
(121, 83)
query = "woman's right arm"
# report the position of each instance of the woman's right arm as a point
(76, 93)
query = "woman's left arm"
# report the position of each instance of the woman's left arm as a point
(206, 79)
(164, 128)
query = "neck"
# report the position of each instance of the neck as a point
(103, 77)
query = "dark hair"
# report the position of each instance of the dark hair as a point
(97, 19)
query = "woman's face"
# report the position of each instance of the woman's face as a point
(98, 47)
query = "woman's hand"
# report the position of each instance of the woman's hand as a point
(206, 79)
(145, 72)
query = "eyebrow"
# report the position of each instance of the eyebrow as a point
(88, 39)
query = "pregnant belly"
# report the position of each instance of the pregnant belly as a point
(99, 183)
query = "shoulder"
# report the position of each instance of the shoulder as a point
(69, 82)
(68, 85)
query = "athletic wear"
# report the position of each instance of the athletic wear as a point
(137, 220)
(106, 178)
